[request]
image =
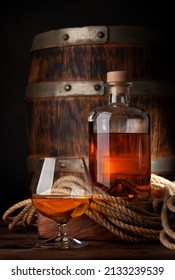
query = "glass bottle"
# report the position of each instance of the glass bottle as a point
(119, 143)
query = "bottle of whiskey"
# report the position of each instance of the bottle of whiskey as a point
(119, 143)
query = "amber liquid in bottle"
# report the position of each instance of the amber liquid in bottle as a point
(118, 165)
(119, 143)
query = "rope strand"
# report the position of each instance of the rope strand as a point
(127, 221)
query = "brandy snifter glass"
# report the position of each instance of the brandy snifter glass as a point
(61, 190)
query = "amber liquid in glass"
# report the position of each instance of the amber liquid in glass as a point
(120, 163)
(60, 208)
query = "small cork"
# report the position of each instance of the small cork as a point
(118, 76)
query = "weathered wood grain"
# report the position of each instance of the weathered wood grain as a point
(58, 126)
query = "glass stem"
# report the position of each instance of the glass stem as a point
(62, 232)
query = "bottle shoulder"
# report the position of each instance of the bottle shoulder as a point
(118, 110)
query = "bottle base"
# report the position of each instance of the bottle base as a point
(128, 191)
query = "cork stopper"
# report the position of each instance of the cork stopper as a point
(118, 76)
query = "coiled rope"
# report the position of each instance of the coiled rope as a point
(124, 219)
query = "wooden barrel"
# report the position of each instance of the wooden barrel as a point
(158, 98)
(66, 81)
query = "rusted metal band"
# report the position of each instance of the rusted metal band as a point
(75, 165)
(157, 165)
(153, 88)
(65, 88)
(95, 88)
(163, 164)
(98, 35)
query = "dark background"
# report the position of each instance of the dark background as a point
(18, 26)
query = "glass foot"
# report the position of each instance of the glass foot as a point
(61, 243)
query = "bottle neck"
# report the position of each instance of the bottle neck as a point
(118, 92)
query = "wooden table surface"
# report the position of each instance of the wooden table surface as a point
(20, 245)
